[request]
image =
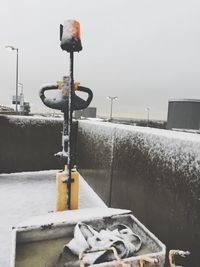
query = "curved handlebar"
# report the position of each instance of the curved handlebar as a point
(60, 101)
(78, 103)
(46, 88)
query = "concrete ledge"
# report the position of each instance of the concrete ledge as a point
(155, 173)
(29, 143)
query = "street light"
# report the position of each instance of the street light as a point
(111, 98)
(148, 111)
(17, 50)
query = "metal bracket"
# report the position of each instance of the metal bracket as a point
(174, 252)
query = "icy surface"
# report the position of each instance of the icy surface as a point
(107, 127)
(24, 120)
(23, 195)
(72, 216)
(178, 151)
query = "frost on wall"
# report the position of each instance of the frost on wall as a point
(94, 135)
(24, 121)
(29, 143)
(180, 150)
(153, 172)
(177, 151)
(95, 155)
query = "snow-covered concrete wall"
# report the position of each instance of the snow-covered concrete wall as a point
(29, 143)
(155, 173)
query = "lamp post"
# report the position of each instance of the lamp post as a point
(111, 98)
(148, 111)
(17, 51)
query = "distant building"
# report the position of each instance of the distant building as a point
(183, 114)
(78, 114)
(90, 112)
(24, 106)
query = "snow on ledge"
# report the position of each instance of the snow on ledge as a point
(71, 216)
(23, 120)
(145, 130)
(176, 151)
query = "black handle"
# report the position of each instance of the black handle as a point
(78, 103)
(49, 102)
(61, 102)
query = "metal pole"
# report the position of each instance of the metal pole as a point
(70, 111)
(148, 111)
(111, 98)
(17, 50)
(16, 107)
(111, 107)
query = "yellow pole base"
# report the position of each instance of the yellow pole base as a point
(61, 187)
(74, 190)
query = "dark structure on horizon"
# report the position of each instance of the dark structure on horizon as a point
(183, 114)
(90, 112)
(24, 106)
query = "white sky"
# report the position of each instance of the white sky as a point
(145, 51)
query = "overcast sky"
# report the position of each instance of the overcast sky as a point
(145, 51)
